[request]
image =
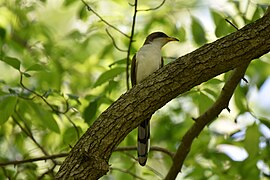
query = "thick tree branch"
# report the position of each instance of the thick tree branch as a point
(89, 157)
(221, 103)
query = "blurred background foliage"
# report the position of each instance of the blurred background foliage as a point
(60, 69)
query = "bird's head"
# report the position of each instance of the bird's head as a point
(159, 38)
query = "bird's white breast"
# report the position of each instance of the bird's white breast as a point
(148, 60)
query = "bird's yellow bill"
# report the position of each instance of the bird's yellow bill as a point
(172, 39)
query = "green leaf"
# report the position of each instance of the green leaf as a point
(45, 117)
(108, 75)
(182, 34)
(14, 62)
(2, 33)
(223, 28)
(205, 102)
(198, 32)
(251, 143)
(70, 135)
(119, 62)
(217, 17)
(69, 2)
(83, 13)
(265, 121)
(74, 97)
(35, 67)
(26, 74)
(239, 99)
(215, 81)
(91, 110)
(7, 106)
(210, 92)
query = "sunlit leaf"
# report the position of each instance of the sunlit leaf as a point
(36, 67)
(69, 2)
(215, 81)
(181, 34)
(14, 62)
(205, 101)
(74, 97)
(251, 142)
(83, 13)
(210, 93)
(7, 106)
(108, 75)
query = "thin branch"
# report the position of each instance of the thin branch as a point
(227, 20)
(43, 98)
(113, 41)
(103, 20)
(43, 158)
(130, 42)
(30, 135)
(220, 104)
(155, 8)
(152, 148)
(127, 172)
(134, 148)
(74, 125)
(49, 172)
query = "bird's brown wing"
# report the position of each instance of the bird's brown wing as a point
(133, 71)
(162, 62)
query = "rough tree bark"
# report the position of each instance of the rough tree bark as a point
(89, 158)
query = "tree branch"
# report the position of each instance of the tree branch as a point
(43, 158)
(130, 42)
(152, 148)
(103, 20)
(89, 158)
(221, 103)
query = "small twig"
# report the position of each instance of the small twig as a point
(30, 134)
(113, 41)
(127, 172)
(43, 158)
(231, 24)
(130, 42)
(152, 148)
(74, 125)
(48, 172)
(103, 20)
(155, 8)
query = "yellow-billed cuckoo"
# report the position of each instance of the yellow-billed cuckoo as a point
(147, 60)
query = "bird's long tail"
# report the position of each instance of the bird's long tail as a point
(143, 141)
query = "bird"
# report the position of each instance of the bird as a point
(147, 60)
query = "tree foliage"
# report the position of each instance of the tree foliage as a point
(65, 62)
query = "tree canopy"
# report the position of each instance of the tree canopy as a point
(67, 109)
